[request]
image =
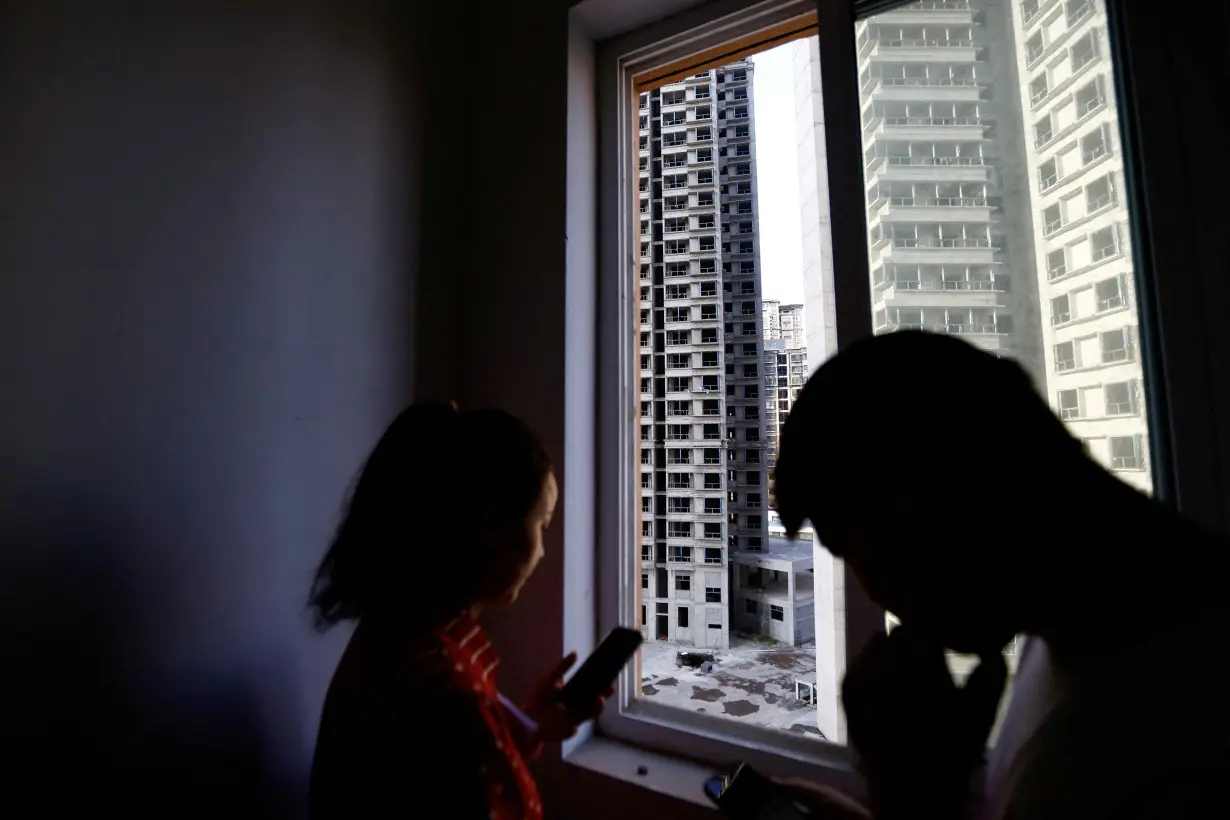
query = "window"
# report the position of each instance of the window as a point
(1043, 132)
(1093, 145)
(683, 581)
(1056, 264)
(1069, 404)
(1109, 294)
(1126, 453)
(1060, 310)
(683, 616)
(1120, 399)
(1099, 194)
(1116, 346)
(1010, 263)
(1048, 174)
(1103, 244)
(644, 580)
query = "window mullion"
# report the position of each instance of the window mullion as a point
(847, 234)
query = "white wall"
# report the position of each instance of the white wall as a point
(207, 242)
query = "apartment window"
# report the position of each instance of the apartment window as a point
(678, 337)
(751, 606)
(1100, 194)
(1089, 98)
(683, 616)
(683, 583)
(704, 134)
(713, 595)
(1120, 399)
(1048, 174)
(1116, 346)
(703, 113)
(1093, 145)
(1103, 243)
(1126, 453)
(675, 246)
(1078, 10)
(1061, 310)
(644, 580)
(987, 228)
(1038, 89)
(1043, 131)
(1109, 294)
(679, 481)
(678, 529)
(1085, 51)
(704, 177)
(1065, 356)
(1069, 404)
(647, 529)
(1056, 264)
(1052, 219)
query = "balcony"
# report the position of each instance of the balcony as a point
(929, 12)
(924, 51)
(932, 209)
(948, 294)
(925, 129)
(936, 251)
(918, 89)
(928, 169)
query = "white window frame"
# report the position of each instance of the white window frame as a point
(1192, 441)
(643, 722)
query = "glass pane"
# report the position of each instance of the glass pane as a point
(994, 176)
(729, 604)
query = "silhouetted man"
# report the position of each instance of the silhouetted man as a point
(965, 507)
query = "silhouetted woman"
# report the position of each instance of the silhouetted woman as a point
(446, 520)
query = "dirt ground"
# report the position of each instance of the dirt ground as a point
(751, 682)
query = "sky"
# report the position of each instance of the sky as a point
(777, 175)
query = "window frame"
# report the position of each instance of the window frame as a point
(1176, 325)
(645, 723)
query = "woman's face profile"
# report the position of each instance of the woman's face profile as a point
(522, 542)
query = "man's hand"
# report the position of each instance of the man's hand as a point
(919, 736)
(555, 721)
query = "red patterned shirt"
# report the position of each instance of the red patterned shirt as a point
(431, 736)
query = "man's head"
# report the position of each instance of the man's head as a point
(923, 462)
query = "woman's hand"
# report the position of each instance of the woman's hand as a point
(555, 721)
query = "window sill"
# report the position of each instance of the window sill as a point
(673, 777)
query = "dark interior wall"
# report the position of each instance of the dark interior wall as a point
(207, 249)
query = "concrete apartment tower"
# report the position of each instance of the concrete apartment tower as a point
(1080, 231)
(704, 486)
(993, 171)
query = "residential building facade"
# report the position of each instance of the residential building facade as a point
(1080, 232)
(704, 486)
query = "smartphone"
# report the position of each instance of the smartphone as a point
(749, 795)
(601, 668)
